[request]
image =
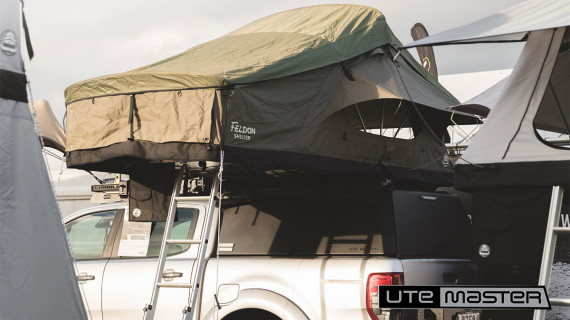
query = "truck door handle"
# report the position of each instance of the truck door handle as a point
(170, 274)
(84, 277)
(429, 198)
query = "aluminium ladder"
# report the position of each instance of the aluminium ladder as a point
(552, 230)
(196, 275)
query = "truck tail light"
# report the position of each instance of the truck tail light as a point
(375, 280)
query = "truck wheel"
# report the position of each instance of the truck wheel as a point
(251, 314)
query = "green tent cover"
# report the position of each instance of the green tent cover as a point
(294, 89)
(276, 46)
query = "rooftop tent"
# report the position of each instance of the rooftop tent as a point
(51, 131)
(297, 88)
(510, 167)
(37, 278)
(533, 99)
(485, 101)
(510, 148)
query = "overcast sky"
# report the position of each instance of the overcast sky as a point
(75, 40)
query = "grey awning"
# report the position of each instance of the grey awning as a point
(511, 24)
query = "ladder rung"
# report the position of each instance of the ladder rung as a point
(184, 241)
(197, 198)
(559, 230)
(560, 302)
(175, 285)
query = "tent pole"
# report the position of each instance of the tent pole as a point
(403, 120)
(382, 118)
(360, 117)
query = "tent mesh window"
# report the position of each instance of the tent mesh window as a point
(552, 120)
(394, 118)
(386, 117)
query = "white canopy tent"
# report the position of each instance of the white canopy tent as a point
(509, 25)
(482, 103)
(37, 277)
(509, 167)
(521, 101)
(509, 150)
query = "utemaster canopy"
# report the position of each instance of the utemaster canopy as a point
(287, 89)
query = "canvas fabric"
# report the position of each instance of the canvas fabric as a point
(511, 24)
(51, 130)
(150, 191)
(268, 117)
(508, 150)
(170, 116)
(276, 46)
(290, 82)
(35, 260)
(508, 135)
(37, 278)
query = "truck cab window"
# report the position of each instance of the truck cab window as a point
(143, 239)
(88, 234)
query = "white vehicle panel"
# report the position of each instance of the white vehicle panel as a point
(322, 287)
(91, 289)
(90, 270)
(129, 282)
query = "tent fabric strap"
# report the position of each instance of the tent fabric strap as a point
(13, 86)
(133, 106)
(27, 34)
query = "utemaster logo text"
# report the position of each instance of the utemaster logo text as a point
(419, 297)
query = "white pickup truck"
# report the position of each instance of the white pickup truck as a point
(280, 257)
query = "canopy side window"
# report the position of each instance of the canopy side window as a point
(552, 120)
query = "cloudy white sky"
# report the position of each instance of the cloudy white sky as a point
(76, 40)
